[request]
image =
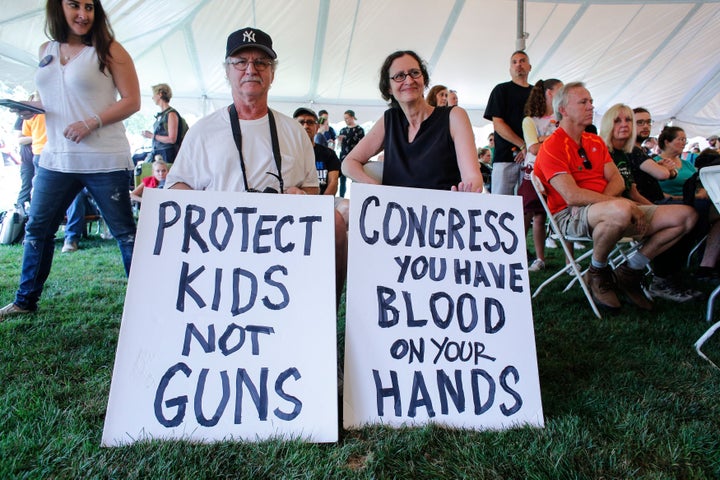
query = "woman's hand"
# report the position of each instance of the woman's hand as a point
(76, 132)
(147, 134)
(466, 187)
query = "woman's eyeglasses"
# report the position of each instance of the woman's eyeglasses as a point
(586, 161)
(401, 76)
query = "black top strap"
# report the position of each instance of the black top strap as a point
(237, 136)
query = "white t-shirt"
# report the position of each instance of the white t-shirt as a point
(209, 160)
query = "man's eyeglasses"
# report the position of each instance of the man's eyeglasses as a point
(401, 76)
(644, 122)
(241, 64)
(586, 161)
(309, 121)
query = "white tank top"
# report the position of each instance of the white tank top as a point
(74, 92)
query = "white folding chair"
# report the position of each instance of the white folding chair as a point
(710, 179)
(573, 264)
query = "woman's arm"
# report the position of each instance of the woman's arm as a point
(136, 194)
(368, 147)
(125, 77)
(655, 170)
(530, 135)
(464, 139)
(637, 197)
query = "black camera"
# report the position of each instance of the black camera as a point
(267, 190)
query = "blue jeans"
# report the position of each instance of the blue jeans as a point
(53, 192)
(27, 172)
(75, 225)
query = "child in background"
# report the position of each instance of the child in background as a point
(157, 180)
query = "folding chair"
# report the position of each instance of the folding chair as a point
(619, 255)
(573, 264)
(710, 178)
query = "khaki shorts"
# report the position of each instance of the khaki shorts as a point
(573, 221)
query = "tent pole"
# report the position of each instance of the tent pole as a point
(521, 35)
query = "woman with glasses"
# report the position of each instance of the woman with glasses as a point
(424, 146)
(672, 142)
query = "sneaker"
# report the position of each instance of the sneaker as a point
(602, 287)
(536, 266)
(550, 243)
(69, 246)
(579, 246)
(629, 281)
(12, 310)
(669, 290)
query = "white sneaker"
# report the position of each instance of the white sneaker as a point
(669, 290)
(10, 310)
(579, 246)
(550, 243)
(69, 246)
(536, 265)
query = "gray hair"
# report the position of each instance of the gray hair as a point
(560, 100)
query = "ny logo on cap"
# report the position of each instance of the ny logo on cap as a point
(249, 36)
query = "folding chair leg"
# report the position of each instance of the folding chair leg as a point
(703, 339)
(711, 300)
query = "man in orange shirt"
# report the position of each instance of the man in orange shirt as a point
(584, 195)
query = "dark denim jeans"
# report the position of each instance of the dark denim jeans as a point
(53, 192)
(27, 172)
(75, 225)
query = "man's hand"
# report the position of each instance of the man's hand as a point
(301, 191)
(638, 221)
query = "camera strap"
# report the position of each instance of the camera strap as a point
(237, 136)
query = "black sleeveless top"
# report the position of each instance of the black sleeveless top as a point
(429, 161)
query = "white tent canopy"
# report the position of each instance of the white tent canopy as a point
(660, 54)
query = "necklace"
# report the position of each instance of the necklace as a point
(70, 53)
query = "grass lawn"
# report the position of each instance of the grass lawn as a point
(623, 397)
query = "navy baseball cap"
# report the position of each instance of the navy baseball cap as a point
(304, 111)
(249, 37)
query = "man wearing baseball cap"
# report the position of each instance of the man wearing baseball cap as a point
(326, 161)
(210, 157)
(247, 146)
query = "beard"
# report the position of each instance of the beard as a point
(639, 139)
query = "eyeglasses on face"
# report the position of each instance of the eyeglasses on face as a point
(241, 64)
(309, 121)
(401, 76)
(586, 161)
(644, 122)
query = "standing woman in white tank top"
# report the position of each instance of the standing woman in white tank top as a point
(88, 86)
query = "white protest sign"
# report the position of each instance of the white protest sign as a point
(439, 321)
(229, 326)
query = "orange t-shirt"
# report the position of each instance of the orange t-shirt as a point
(35, 128)
(559, 154)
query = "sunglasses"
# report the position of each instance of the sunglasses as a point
(586, 161)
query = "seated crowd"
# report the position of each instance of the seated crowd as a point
(607, 186)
